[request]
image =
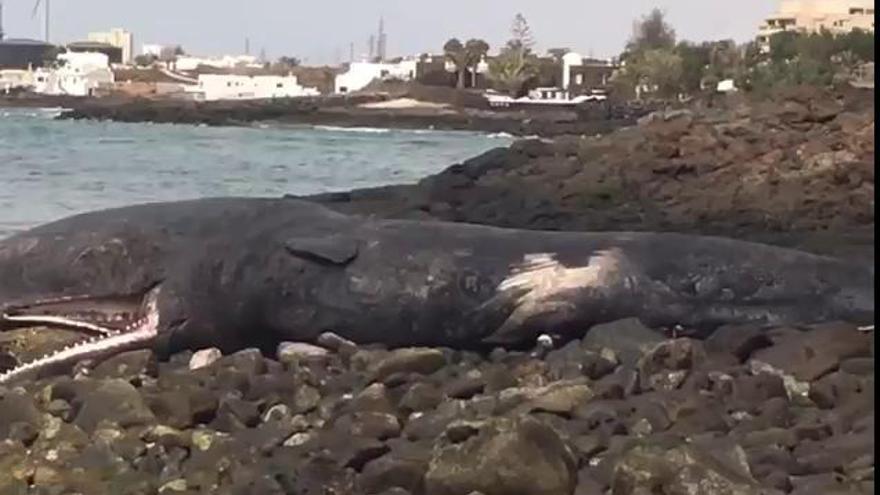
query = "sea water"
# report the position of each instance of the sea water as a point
(50, 169)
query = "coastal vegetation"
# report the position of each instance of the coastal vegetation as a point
(510, 70)
(516, 63)
(465, 57)
(654, 63)
(817, 59)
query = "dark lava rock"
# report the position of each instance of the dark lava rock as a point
(380, 426)
(499, 378)
(414, 360)
(248, 361)
(17, 408)
(234, 414)
(861, 366)
(127, 366)
(374, 398)
(810, 355)
(110, 400)
(834, 453)
(628, 338)
(431, 424)
(825, 484)
(683, 469)
(183, 409)
(835, 389)
(404, 467)
(466, 386)
(739, 340)
(752, 392)
(507, 457)
(666, 365)
(561, 397)
(421, 397)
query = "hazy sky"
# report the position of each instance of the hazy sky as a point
(320, 31)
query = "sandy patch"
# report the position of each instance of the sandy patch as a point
(404, 103)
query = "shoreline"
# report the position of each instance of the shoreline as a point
(806, 156)
(795, 171)
(345, 112)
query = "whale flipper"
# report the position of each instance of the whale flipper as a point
(332, 249)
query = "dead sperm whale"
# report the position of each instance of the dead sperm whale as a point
(244, 272)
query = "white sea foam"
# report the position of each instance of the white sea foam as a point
(370, 130)
(500, 135)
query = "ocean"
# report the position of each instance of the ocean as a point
(51, 169)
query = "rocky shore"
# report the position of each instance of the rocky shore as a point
(344, 112)
(624, 411)
(794, 170)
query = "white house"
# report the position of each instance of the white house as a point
(119, 38)
(726, 86)
(75, 74)
(213, 87)
(162, 52)
(569, 60)
(15, 78)
(189, 63)
(360, 74)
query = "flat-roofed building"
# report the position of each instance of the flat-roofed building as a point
(120, 38)
(810, 16)
(23, 53)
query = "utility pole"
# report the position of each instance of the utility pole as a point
(1, 21)
(383, 40)
(45, 18)
(247, 46)
(351, 52)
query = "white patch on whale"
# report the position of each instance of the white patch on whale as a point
(543, 277)
(540, 283)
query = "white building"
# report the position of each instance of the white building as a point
(15, 78)
(569, 60)
(163, 52)
(360, 74)
(190, 63)
(212, 87)
(152, 49)
(119, 38)
(76, 74)
(810, 16)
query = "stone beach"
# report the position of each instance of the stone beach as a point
(625, 410)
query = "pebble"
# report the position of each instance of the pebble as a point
(204, 358)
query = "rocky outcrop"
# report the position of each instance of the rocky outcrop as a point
(797, 170)
(347, 112)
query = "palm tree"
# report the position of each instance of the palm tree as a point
(475, 50)
(456, 53)
(465, 56)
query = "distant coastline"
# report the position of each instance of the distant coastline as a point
(348, 111)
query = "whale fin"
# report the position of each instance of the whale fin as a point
(333, 249)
